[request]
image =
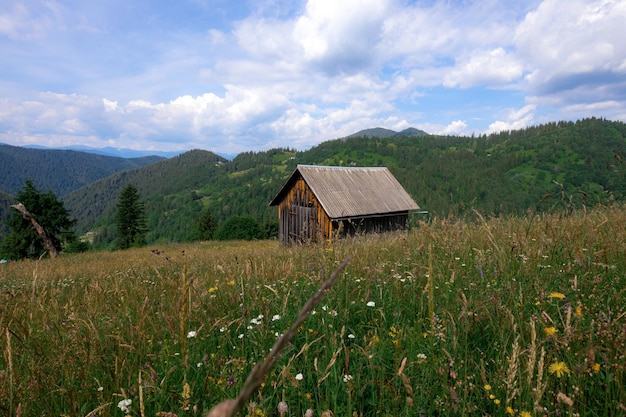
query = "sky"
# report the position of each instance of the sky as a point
(249, 75)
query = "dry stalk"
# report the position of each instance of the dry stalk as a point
(512, 387)
(230, 408)
(532, 353)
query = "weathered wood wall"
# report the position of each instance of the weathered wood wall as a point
(301, 217)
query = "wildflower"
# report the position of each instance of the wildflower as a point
(282, 407)
(240, 336)
(557, 295)
(509, 410)
(371, 304)
(212, 290)
(351, 336)
(308, 413)
(492, 397)
(124, 405)
(579, 311)
(100, 389)
(496, 401)
(525, 414)
(596, 367)
(347, 378)
(276, 317)
(299, 377)
(487, 387)
(559, 368)
(421, 356)
(550, 331)
(191, 334)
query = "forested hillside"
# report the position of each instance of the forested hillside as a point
(60, 171)
(543, 168)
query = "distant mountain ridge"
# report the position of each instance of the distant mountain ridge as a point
(380, 132)
(554, 166)
(61, 171)
(110, 151)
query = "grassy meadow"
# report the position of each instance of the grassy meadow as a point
(520, 317)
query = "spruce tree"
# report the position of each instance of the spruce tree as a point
(23, 240)
(130, 219)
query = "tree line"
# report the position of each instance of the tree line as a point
(53, 220)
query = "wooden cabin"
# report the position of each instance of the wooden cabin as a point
(321, 202)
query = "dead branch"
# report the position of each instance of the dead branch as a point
(41, 231)
(230, 408)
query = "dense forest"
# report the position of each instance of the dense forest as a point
(549, 167)
(59, 171)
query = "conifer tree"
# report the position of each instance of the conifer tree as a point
(23, 241)
(130, 219)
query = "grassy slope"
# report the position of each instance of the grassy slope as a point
(452, 319)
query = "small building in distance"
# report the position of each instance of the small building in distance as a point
(320, 202)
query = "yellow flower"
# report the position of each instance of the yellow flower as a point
(579, 311)
(492, 397)
(525, 414)
(549, 331)
(557, 295)
(496, 401)
(596, 367)
(510, 411)
(212, 290)
(559, 368)
(487, 387)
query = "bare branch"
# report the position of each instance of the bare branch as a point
(230, 408)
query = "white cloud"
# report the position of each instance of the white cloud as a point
(340, 36)
(287, 74)
(516, 119)
(573, 43)
(488, 68)
(455, 128)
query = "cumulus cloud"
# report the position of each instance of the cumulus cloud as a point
(491, 68)
(516, 119)
(574, 45)
(285, 74)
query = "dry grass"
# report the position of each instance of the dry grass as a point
(418, 324)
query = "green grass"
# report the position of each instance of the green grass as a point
(450, 319)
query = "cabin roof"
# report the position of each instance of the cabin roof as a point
(346, 192)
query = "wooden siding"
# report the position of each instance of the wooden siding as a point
(301, 217)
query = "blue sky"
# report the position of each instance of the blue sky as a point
(232, 76)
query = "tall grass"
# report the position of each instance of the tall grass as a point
(520, 316)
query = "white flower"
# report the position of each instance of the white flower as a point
(191, 334)
(308, 413)
(351, 336)
(240, 336)
(100, 389)
(299, 377)
(276, 317)
(421, 356)
(371, 304)
(124, 405)
(199, 364)
(222, 329)
(347, 378)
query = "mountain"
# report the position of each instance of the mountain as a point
(549, 167)
(167, 190)
(59, 170)
(379, 132)
(110, 151)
